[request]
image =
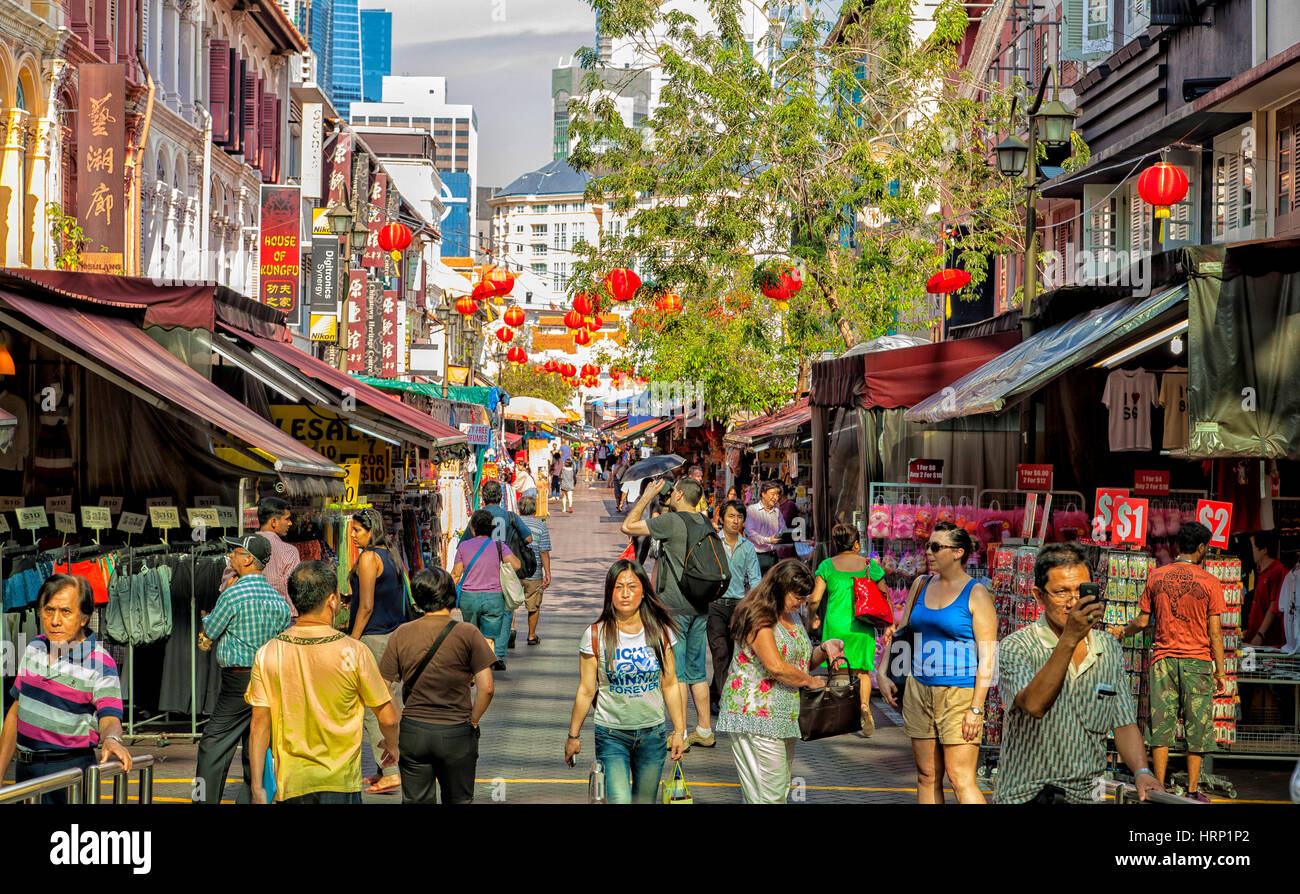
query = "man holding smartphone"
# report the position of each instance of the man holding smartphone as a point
(1187, 601)
(1064, 689)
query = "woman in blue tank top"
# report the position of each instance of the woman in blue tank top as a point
(955, 630)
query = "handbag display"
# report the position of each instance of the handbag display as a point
(878, 522)
(924, 524)
(834, 709)
(870, 605)
(512, 588)
(904, 521)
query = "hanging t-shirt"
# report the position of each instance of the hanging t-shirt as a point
(1130, 394)
(1173, 397)
(630, 695)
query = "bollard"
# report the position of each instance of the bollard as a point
(121, 780)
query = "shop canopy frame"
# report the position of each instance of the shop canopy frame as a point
(1018, 373)
(635, 431)
(787, 420)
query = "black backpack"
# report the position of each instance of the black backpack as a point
(523, 552)
(706, 573)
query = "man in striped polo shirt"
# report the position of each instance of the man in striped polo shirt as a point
(67, 698)
(249, 613)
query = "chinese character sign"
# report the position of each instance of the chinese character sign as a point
(374, 256)
(388, 335)
(356, 321)
(281, 254)
(340, 170)
(101, 148)
(374, 328)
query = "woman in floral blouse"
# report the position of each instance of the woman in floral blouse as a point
(760, 701)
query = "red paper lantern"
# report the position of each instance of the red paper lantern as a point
(583, 304)
(394, 237)
(588, 370)
(500, 280)
(575, 320)
(582, 337)
(467, 307)
(514, 317)
(776, 292)
(622, 284)
(669, 304)
(568, 370)
(950, 279)
(517, 355)
(505, 333)
(482, 291)
(594, 324)
(551, 366)
(791, 281)
(591, 382)
(1162, 185)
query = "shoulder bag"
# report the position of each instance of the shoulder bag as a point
(901, 649)
(465, 573)
(512, 588)
(834, 709)
(409, 684)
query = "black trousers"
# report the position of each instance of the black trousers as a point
(80, 759)
(766, 561)
(437, 756)
(227, 727)
(325, 798)
(718, 631)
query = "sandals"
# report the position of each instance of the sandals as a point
(868, 723)
(376, 788)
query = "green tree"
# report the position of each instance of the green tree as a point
(519, 380)
(848, 160)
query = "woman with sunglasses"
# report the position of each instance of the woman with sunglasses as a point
(760, 700)
(955, 629)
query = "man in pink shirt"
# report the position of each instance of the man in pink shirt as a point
(275, 518)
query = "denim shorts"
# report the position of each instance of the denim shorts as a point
(690, 652)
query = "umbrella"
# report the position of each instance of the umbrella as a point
(654, 467)
(533, 409)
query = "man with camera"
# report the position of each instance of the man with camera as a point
(1064, 689)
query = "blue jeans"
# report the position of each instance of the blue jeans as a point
(487, 612)
(634, 762)
(690, 652)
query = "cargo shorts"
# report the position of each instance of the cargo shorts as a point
(1183, 687)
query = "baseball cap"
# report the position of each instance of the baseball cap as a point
(256, 544)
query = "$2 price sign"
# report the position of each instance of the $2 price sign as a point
(1218, 518)
(1130, 520)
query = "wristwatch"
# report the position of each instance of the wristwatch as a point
(976, 711)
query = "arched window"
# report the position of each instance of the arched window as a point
(20, 96)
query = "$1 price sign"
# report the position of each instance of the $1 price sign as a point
(1105, 504)
(1218, 518)
(1130, 520)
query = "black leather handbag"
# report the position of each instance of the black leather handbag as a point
(834, 709)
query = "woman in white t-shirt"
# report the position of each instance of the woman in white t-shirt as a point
(626, 665)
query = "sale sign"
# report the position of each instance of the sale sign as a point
(1101, 517)
(1218, 518)
(925, 471)
(1130, 520)
(281, 252)
(1033, 476)
(1151, 483)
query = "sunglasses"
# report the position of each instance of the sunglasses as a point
(935, 547)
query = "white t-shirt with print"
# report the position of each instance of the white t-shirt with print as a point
(1130, 394)
(631, 696)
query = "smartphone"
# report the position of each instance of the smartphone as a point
(1091, 591)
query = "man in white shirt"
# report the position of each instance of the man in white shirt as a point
(1288, 606)
(763, 523)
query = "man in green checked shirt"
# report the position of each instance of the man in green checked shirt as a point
(248, 614)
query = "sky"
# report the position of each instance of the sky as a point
(496, 55)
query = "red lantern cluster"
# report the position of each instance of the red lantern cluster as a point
(517, 355)
(394, 237)
(500, 281)
(551, 366)
(583, 304)
(1162, 185)
(594, 323)
(950, 279)
(568, 370)
(575, 320)
(589, 370)
(670, 303)
(622, 284)
(591, 382)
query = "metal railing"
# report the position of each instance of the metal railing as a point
(29, 792)
(121, 780)
(1124, 793)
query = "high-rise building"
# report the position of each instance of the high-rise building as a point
(334, 31)
(629, 89)
(376, 52)
(421, 102)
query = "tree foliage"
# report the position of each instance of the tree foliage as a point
(519, 380)
(851, 160)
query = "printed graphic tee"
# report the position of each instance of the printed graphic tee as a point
(1173, 397)
(630, 695)
(1130, 394)
(1182, 596)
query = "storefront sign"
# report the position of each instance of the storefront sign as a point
(374, 256)
(376, 468)
(374, 328)
(1151, 483)
(1130, 520)
(65, 523)
(351, 482)
(96, 518)
(1106, 498)
(164, 517)
(101, 160)
(279, 232)
(325, 327)
(325, 275)
(132, 523)
(476, 435)
(327, 433)
(356, 310)
(312, 161)
(1034, 476)
(113, 504)
(31, 518)
(1218, 518)
(925, 471)
(59, 504)
(490, 471)
(388, 337)
(340, 171)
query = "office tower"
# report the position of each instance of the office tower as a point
(376, 52)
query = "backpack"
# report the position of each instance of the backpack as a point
(706, 573)
(523, 552)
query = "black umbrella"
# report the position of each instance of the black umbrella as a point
(654, 467)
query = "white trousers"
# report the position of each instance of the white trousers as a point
(763, 764)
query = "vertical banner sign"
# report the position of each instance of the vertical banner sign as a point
(356, 321)
(1218, 518)
(325, 275)
(374, 328)
(312, 161)
(281, 255)
(340, 170)
(374, 256)
(101, 150)
(403, 339)
(388, 335)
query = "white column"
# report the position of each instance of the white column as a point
(40, 180)
(187, 64)
(172, 232)
(171, 60)
(11, 184)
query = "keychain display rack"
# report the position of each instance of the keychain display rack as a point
(1010, 583)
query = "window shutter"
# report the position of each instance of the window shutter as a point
(266, 138)
(1182, 227)
(252, 120)
(1101, 228)
(1072, 33)
(1287, 219)
(1139, 225)
(278, 135)
(238, 66)
(1098, 28)
(219, 90)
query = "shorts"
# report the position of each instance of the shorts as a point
(533, 595)
(690, 652)
(937, 712)
(1183, 686)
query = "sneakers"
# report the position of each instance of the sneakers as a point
(703, 741)
(1199, 796)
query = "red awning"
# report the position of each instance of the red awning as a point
(126, 351)
(661, 426)
(787, 418)
(512, 439)
(441, 433)
(907, 376)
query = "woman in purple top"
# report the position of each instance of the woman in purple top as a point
(477, 572)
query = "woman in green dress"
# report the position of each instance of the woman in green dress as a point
(834, 583)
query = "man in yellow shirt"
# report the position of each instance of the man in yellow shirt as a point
(309, 689)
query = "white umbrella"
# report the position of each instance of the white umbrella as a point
(534, 409)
